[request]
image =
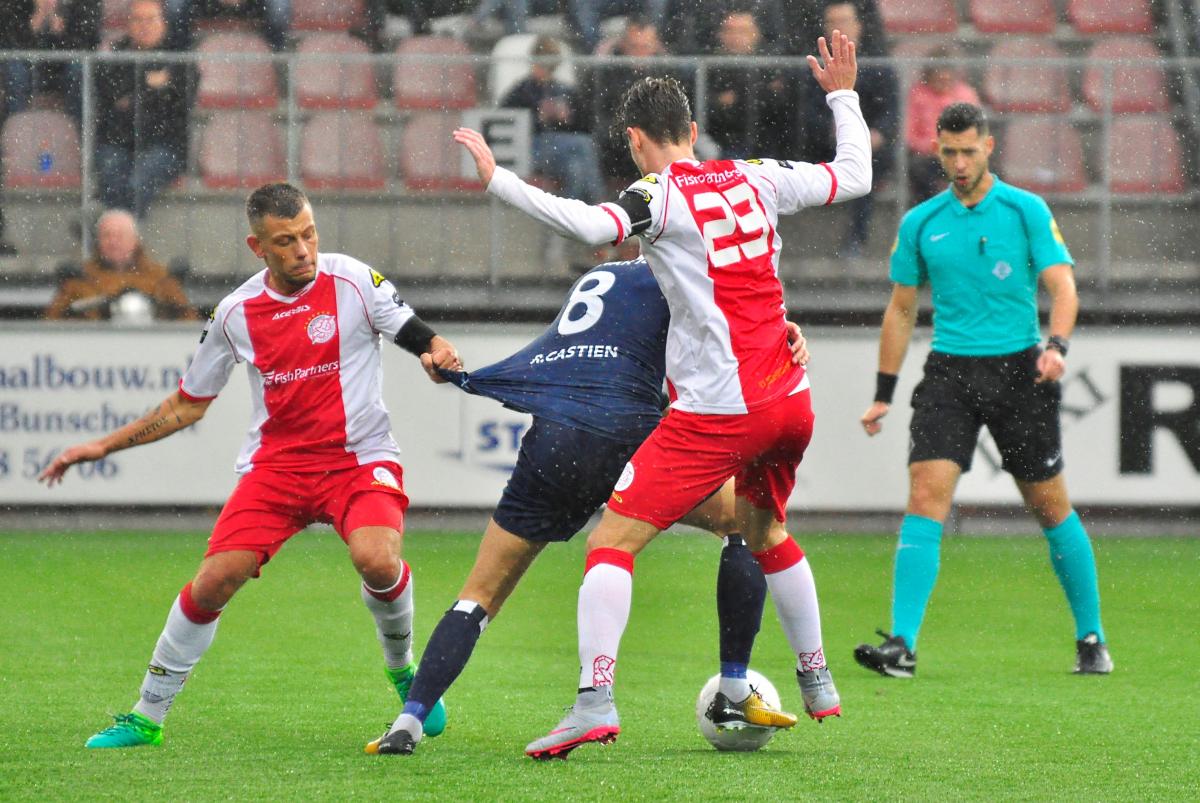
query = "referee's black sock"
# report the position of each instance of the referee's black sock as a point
(447, 652)
(741, 593)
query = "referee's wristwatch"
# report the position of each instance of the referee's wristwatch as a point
(1059, 344)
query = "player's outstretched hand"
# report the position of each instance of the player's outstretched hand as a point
(83, 453)
(872, 419)
(838, 66)
(798, 343)
(1051, 366)
(485, 161)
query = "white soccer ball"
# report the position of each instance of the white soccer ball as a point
(746, 739)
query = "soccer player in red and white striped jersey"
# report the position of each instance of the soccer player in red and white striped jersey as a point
(319, 449)
(740, 407)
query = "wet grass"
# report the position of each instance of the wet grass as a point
(293, 686)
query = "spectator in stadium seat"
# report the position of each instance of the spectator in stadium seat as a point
(375, 13)
(16, 76)
(751, 110)
(141, 116)
(63, 25)
(584, 16)
(877, 92)
(804, 21)
(693, 26)
(940, 85)
(603, 85)
(275, 16)
(119, 265)
(563, 149)
(515, 12)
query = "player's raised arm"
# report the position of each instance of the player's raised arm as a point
(848, 175)
(592, 224)
(172, 414)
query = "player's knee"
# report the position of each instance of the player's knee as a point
(220, 577)
(378, 569)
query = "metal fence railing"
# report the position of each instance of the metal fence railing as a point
(1097, 179)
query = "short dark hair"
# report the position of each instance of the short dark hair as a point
(659, 107)
(278, 200)
(959, 117)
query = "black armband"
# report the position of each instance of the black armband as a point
(1059, 344)
(414, 336)
(636, 203)
(885, 386)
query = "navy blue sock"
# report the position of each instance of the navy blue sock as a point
(445, 655)
(741, 592)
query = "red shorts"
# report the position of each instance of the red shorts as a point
(689, 456)
(268, 507)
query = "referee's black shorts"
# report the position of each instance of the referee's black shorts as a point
(958, 395)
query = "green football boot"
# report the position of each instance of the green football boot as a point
(130, 730)
(402, 679)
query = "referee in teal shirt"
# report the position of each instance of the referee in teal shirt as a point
(982, 247)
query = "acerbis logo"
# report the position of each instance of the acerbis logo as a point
(287, 313)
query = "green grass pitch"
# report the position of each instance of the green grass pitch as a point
(293, 687)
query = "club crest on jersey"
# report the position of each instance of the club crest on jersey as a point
(322, 328)
(384, 477)
(626, 478)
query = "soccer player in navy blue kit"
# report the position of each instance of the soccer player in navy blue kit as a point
(982, 246)
(593, 382)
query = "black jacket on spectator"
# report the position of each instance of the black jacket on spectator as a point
(761, 120)
(131, 113)
(529, 94)
(15, 33)
(600, 92)
(878, 98)
(690, 26)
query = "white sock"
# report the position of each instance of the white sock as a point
(604, 601)
(736, 689)
(179, 648)
(408, 722)
(393, 618)
(795, 596)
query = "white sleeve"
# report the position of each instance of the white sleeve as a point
(593, 224)
(848, 176)
(386, 311)
(213, 361)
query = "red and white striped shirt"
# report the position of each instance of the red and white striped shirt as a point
(314, 365)
(710, 235)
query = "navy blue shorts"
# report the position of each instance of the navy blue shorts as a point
(563, 476)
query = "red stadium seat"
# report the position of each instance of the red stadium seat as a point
(430, 159)
(235, 83)
(326, 15)
(919, 16)
(1024, 85)
(1145, 156)
(241, 149)
(419, 82)
(1043, 154)
(330, 83)
(1111, 16)
(1004, 16)
(41, 151)
(342, 151)
(1137, 87)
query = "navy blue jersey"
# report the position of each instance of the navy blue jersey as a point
(599, 367)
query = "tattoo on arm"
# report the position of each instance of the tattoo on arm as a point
(154, 421)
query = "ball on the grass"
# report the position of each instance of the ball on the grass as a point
(746, 739)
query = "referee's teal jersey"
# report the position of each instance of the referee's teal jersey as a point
(981, 265)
